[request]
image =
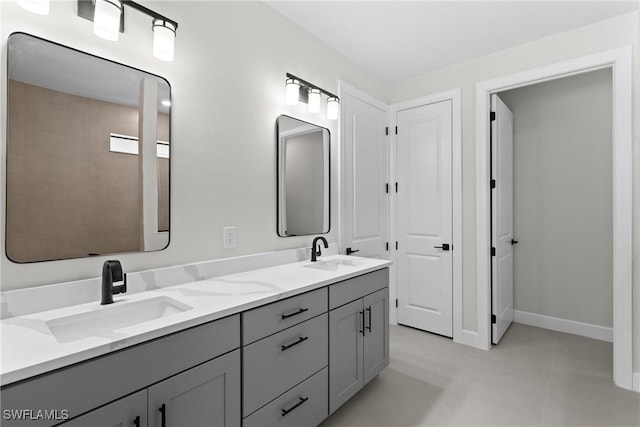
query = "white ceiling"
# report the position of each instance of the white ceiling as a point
(396, 40)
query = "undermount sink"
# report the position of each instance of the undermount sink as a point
(110, 318)
(332, 264)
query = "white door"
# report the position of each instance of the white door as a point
(425, 267)
(501, 218)
(365, 174)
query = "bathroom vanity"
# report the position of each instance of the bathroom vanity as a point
(284, 345)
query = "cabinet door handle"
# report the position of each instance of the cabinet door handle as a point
(163, 418)
(136, 421)
(362, 330)
(300, 402)
(288, 346)
(369, 312)
(295, 313)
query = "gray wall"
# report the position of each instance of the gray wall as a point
(563, 197)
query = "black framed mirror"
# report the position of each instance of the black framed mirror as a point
(88, 154)
(304, 182)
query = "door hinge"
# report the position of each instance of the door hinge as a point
(387, 245)
(396, 130)
(492, 116)
(493, 251)
(386, 130)
(386, 186)
(493, 319)
(493, 183)
(396, 245)
(396, 302)
(396, 187)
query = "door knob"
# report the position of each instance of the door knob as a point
(514, 242)
(351, 251)
(444, 247)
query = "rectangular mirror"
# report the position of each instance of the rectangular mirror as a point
(88, 164)
(303, 177)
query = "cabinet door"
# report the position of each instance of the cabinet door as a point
(376, 339)
(207, 395)
(346, 332)
(130, 411)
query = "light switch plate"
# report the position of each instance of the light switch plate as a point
(229, 237)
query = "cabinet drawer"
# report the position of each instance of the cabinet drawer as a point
(277, 363)
(304, 405)
(349, 290)
(269, 319)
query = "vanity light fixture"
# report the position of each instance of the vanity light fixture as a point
(108, 22)
(301, 90)
(333, 108)
(164, 36)
(106, 19)
(314, 100)
(292, 87)
(40, 7)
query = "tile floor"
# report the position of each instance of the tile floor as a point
(534, 377)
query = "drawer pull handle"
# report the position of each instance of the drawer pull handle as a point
(163, 411)
(363, 325)
(300, 402)
(136, 421)
(295, 313)
(369, 311)
(288, 346)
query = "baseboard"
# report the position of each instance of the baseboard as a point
(563, 325)
(636, 381)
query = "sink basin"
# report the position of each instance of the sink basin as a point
(108, 319)
(332, 264)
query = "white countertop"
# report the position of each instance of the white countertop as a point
(28, 347)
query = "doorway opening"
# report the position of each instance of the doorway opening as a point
(551, 206)
(619, 62)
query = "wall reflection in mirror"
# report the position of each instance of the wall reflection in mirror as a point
(87, 154)
(303, 177)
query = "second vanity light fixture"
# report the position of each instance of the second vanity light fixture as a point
(108, 22)
(301, 90)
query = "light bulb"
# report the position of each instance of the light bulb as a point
(106, 20)
(314, 100)
(293, 91)
(164, 35)
(333, 108)
(41, 7)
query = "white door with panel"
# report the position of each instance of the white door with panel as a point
(365, 159)
(425, 265)
(502, 239)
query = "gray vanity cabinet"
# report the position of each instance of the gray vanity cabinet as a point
(89, 388)
(285, 364)
(376, 339)
(358, 334)
(130, 411)
(207, 395)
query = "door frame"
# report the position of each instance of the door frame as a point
(620, 62)
(454, 95)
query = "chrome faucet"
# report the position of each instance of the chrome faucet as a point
(112, 272)
(317, 253)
